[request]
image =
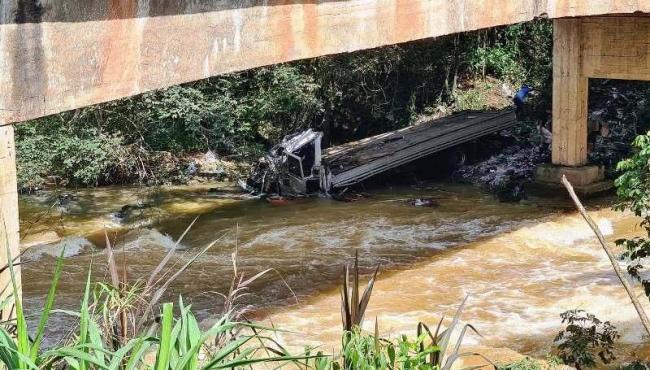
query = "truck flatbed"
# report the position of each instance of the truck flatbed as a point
(354, 162)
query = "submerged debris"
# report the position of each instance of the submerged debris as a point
(65, 198)
(505, 174)
(128, 211)
(349, 196)
(423, 202)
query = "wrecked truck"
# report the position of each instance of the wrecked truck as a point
(298, 165)
(291, 168)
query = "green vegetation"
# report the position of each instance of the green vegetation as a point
(633, 190)
(520, 53)
(121, 326)
(144, 138)
(149, 138)
(523, 364)
(584, 339)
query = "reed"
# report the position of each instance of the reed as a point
(429, 350)
(123, 326)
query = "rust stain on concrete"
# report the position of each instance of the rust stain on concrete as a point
(118, 48)
(311, 27)
(409, 20)
(284, 29)
(66, 65)
(119, 9)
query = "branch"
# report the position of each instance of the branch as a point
(603, 243)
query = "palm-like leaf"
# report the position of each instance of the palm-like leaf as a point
(354, 305)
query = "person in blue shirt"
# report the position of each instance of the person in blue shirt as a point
(520, 98)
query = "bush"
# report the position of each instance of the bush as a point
(521, 53)
(633, 191)
(144, 138)
(584, 337)
(79, 154)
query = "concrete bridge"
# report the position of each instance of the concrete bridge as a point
(57, 55)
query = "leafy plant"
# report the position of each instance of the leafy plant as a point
(353, 305)
(430, 350)
(362, 351)
(427, 350)
(584, 337)
(633, 189)
(444, 359)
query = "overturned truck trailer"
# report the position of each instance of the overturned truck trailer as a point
(298, 165)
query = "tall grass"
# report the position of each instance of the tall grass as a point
(122, 326)
(353, 305)
(359, 350)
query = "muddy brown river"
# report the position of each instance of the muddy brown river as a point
(522, 264)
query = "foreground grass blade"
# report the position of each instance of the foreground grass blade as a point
(22, 348)
(165, 348)
(8, 350)
(345, 307)
(133, 346)
(49, 302)
(84, 320)
(365, 298)
(446, 336)
(139, 351)
(169, 254)
(158, 294)
(354, 304)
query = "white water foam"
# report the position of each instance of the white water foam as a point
(73, 246)
(149, 238)
(569, 231)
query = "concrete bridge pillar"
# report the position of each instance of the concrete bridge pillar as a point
(614, 47)
(570, 93)
(9, 235)
(570, 113)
